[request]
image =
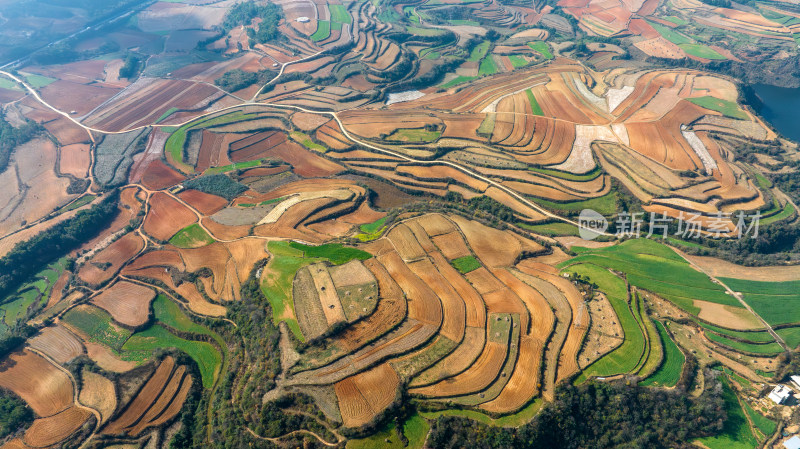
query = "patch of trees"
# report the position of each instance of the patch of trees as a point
(433, 77)
(243, 13)
(596, 415)
(238, 79)
(132, 66)
(14, 413)
(29, 257)
(718, 3)
(11, 137)
(220, 185)
(14, 339)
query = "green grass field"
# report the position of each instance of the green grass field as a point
(761, 422)
(306, 141)
(552, 229)
(424, 31)
(653, 266)
(177, 140)
(323, 31)
(166, 114)
(170, 314)
(791, 335)
(701, 51)
(97, 325)
(736, 433)
(372, 231)
(765, 348)
(141, 345)
(278, 278)
(80, 202)
(416, 135)
(671, 35)
(479, 51)
(669, 373)
(785, 213)
(728, 108)
(752, 337)
(567, 175)
(192, 236)
(626, 357)
(37, 81)
(338, 254)
(518, 61)
(236, 166)
(466, 264)
(776, 302)
(517, 419)
(676, 20)
(535, 108)
(415, 429)
(606, 204)
(542, 48)
(339, 13)
(488, 66)
(456, 81)
(18, 309)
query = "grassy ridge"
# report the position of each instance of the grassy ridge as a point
(727, 108)
(626, 357)
(141, 345)
(542, 48)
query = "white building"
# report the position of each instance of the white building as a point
(780, 394)
(792, 443)
(796, 381)
(303, 19)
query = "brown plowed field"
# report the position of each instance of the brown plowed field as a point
(48, 431)
(493, 247)
(45, 388)
(128, 303)
(474, 306)
(453, 309)
(477, 377)
(405, 243)
(423, 304)
(363, 396)
(163, 401)
(525, 381)
(115, 255)
(106, 359)
(98, 393)
(452, 245)
(205, 203)
(58, 343)
(305, 163)
(158, 176)
(457, 361)
(143, 399)
(166, 217)
(75, 160)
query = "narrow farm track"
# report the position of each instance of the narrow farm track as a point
(738, 297)
(75, 392)
(302, 431)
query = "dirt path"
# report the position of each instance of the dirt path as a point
(76, 394)
(296, 432)
(736, 295)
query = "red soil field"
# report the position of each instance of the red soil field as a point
(158, 176)
(305, 163)
(205, 203)
(45, 388)
(128, 303)
(66, 132)
(68, 96)
(96, 271)
(166, 217)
